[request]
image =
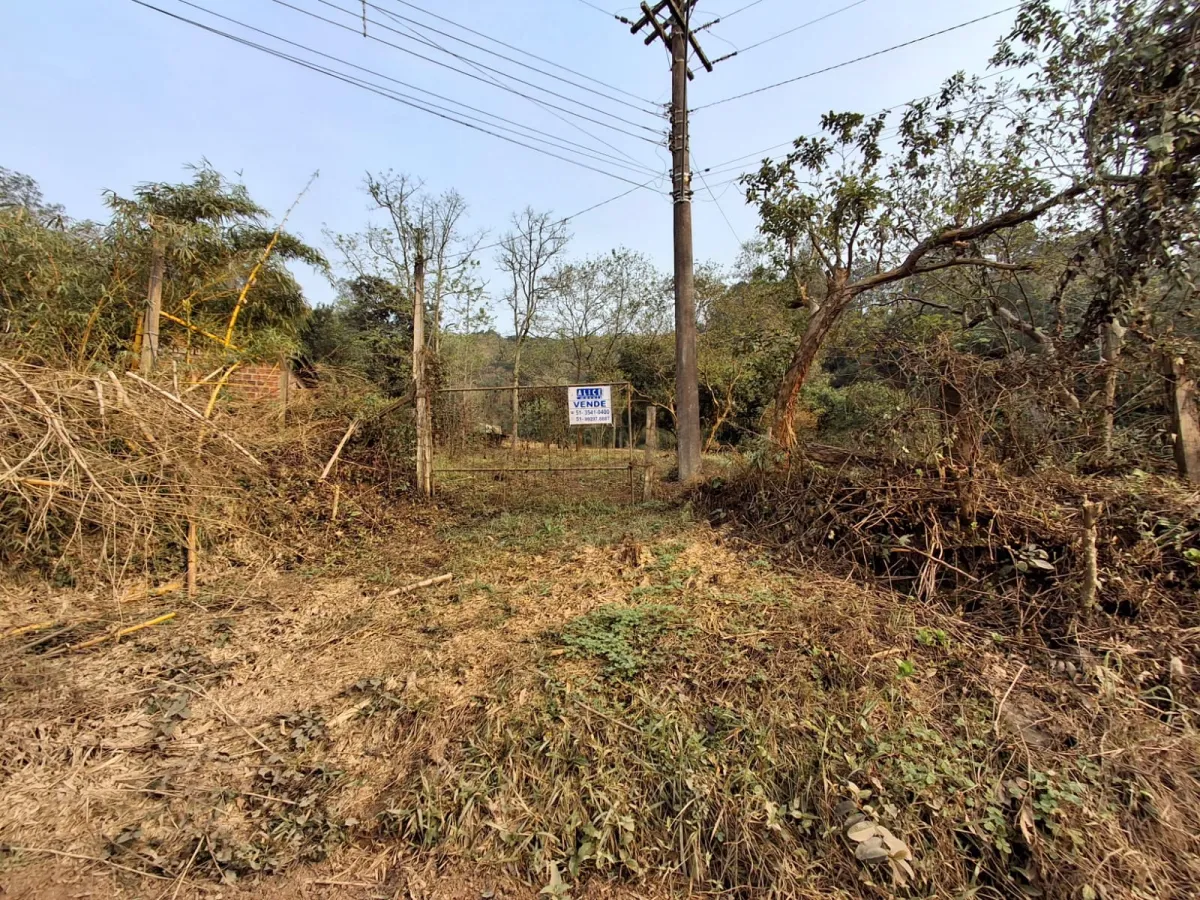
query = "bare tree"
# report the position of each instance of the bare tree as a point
(526, 252)
(417, 224)
(594, 303)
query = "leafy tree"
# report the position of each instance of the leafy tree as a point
(19, 191)
(369, 330)
(594, 304)
(211, 235)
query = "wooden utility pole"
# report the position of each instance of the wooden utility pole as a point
(153, 315)
(677, 35)
(420, 382)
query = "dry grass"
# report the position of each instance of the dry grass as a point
(607, 700)
(452, 743)
(100, 473)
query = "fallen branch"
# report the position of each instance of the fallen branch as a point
(425, 582)
(123, 632)
(1004, 699)
(95, 859)
(200, 692)
(338, 452)
(27, 629)
(934, 559)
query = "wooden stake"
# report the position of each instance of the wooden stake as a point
(1091, 575)
(337, 496)
(420, 385)
(193, 557)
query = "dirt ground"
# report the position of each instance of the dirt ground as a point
(314, 729)
(116, 753)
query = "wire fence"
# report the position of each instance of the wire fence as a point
(505, 442)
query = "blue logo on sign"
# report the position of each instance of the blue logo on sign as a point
(588, 393)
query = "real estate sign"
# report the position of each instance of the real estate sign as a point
(590, 404)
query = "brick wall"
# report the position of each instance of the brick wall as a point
(260, 381)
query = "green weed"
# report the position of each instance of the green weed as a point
(625, 637)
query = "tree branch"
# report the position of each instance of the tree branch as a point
(951, 236)
(978, 261)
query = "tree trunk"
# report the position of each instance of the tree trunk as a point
(1183, 402)
(516, 399)
(838, 297)
(1112, 339)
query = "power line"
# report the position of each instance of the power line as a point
(548, 109)
(383, 92)
(597, 155)
(740, 9)
(890, 133)
(781, 34)
(600, 10)
(517, 62)
(858, 59)
(549, 62)
(720, 208)
(437, 62)
(562, 221)
(585, 104)
(714, 169)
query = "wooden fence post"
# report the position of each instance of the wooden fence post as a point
(153, 314)
(651, 449)
(420, 383)
(1183, 401)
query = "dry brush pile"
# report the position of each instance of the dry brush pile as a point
(103, 474)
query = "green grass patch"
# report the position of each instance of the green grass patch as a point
(625, 638)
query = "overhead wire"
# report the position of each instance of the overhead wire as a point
(857, 59)
(391, 95)
(740, 9)
(549, 62)
(757, 155)
(591, 152)
(599, 9)
(583, 87)
(889, 133)
(472, 75)
(744, 50)
(720, 208)
(541, 104)
(564, 220)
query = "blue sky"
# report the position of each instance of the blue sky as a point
(103, 94)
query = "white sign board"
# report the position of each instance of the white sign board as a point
(590, 404)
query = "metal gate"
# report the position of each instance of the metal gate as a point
(512, 441)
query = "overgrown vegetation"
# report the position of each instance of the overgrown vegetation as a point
(927, 629)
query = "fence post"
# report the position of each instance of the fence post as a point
(420, 385)
(651, 449)
(285, 384)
